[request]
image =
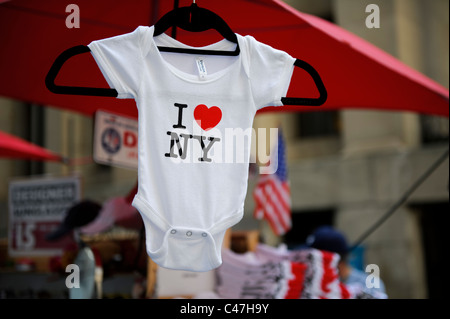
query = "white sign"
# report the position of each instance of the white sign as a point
(36, 208)
(115, 140)
(176, 283)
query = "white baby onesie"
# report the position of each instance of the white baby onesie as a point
(192, 110)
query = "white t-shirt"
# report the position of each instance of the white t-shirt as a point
(192, 170)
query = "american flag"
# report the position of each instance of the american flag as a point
(272, 194)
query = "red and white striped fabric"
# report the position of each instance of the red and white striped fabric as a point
(321, 277)
(273, 203)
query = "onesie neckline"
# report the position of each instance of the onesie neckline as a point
(220, 45)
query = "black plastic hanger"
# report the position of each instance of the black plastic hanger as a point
(192, 19)
(323, 94)
(73, 90)
(196, 19)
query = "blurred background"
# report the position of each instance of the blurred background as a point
(346, 167)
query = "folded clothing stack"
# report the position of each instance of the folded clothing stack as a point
(321, 275)
(277, 273)
(252, 276)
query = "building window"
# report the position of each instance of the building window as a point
(434, 220)
(434, 129)
(304, 223)
(318, 124)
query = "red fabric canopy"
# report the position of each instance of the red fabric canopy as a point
(356, 74)
(14, 147)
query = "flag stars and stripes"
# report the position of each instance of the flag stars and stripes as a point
(272, 194)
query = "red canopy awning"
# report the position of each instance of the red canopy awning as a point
(356, 74)
(17, 148)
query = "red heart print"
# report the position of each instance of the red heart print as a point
(207, 118)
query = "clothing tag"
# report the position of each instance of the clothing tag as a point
(201, 67)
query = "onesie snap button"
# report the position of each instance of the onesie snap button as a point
(204, 234)
(173, 231)
(189, 234)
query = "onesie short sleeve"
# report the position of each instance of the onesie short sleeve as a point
(120, 60)
(270, 72)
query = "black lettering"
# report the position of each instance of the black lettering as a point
(180, 115)
(206, 149)
(182, 151)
